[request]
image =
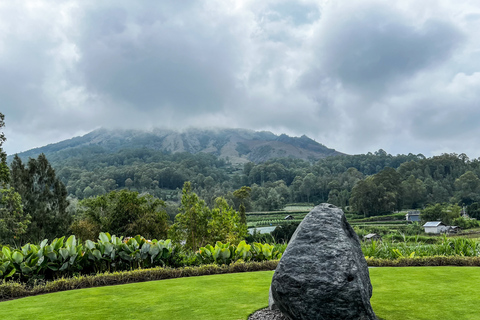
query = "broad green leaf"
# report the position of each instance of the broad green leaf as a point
(224, 254)
(97, 254)
(26, 249)
(124, 256)
(43, 243)
(59, 243)
(11, 273)
(32, 262)
(7, 253)
(108, 249)
(72, 259)
(216, 253)
(133, 244)
(145, 248)
(17, 257)
(52, 267)
(72, 241)
(127, 248)
(64, 266)
(71, 250)
(54, 243)
(103, 237)
(25, 269)
(64, 253)
(40, 253)
(52, 256)
(4, 266)
(90, 244)
(154, 251)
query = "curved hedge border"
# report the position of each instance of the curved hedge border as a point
(14, 290)
(433, 261)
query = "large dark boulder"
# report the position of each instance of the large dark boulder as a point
(323, 273)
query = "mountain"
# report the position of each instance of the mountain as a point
(236, 145)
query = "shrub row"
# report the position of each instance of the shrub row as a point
(447, 247)
(14, 289)
(68, 258)
(434, 261)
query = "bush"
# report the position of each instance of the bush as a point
(435, 261)
(285, 232)
(60, 258)
(466, 223)
(13, 289)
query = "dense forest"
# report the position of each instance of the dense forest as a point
(370, 184)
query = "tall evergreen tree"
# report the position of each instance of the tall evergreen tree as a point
(13, 220)
(44, 198)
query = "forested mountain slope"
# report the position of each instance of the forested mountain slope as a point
(237, 145)
(105, 160)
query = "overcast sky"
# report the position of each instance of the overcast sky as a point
(356, 76)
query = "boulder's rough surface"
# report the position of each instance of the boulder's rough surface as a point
(266, 314)
(323, 274)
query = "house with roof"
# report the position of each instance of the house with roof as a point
(453, 229)
(435, 227)
(413, 216)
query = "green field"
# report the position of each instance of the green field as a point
(419, 293)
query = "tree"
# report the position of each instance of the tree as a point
(123, 213)
(441, 212)
(308, 184)
(4, 172)
(377, 194)
(13, 220)
(197, 225)
(224, 223)
(468, 187)
(243, 194)
(191, 221)
(414, 192)
(44, 198)
(368, 198)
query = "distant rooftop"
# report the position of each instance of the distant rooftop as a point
(433, 224)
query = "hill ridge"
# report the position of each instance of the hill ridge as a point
(236, 145)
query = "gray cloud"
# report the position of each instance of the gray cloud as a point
(371, 47)
(355, 75)
(171, 61)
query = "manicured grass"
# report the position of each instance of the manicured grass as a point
(426, 293)
(443, 293)
(216, 297)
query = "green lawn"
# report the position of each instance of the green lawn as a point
(426, 293)
(398, 294)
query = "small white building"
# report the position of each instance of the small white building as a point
(413, 216)
(434, 227)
